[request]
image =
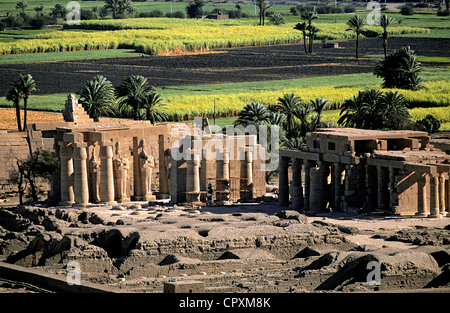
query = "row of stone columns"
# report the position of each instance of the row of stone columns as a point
(379, 187)
(437, 203)
(74, 175)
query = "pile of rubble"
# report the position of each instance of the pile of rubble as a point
(239, 249)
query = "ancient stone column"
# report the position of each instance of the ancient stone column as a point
(106, 175)
(297, 190)
(196, 174)
(226, 166)
(164, 163)
(81, 189)
(422, 203)
(382, 188)
(442, 195)
(434, 196)
(392, 186)
(307, 169)
(339, 178)
(67, 195)
(283, 181)
(249, 167)
(316, 189)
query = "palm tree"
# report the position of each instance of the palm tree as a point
(263, 5)
(319, 104)
(15, 96)
(313, 30)
(131, 92)
(302, 113)
(153, 106)
(394, 106)
(356, 24)
(39, 10)
(302, 27)
(253, 114)
(97, 97)
(25, 85)
(113, 6)
(288, 104)
(309, 17)
(371, 109)
(385, 22)
(400, 69)
(22, 5)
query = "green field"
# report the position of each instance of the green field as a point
(138, 40)
(55, 102)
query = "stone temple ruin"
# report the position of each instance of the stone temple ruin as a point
(347, 169)
(128, 161)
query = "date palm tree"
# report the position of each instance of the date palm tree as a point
(288, 104)
(385, 22)
(118, 7)
(97, 97)
(319, 104)
(309, 16)
(131, 92)
(263, 5)
(302, 27)
(15, 96)
(356, 24)
(253, 114)
(302, 112)
(22, 5)
(153, 106)
(25, 85)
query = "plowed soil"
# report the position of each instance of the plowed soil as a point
(225, 66)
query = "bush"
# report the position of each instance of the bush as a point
(406, 10)
(87, 15)
(443, 12)
(349, 9)
(177, 14)
(429, 124)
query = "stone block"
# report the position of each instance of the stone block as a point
(184, 286)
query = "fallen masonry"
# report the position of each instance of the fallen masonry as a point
(142, 247)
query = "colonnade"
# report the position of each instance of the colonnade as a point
(317, 185)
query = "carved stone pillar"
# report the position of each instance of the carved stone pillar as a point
(81, 189)
(164, 164)
(107, 175)
(307, 169)
(67, 179)
(297, 189)
(339, 186)
(422, 203)
(283, 184)
(434, 196)
(442, 195)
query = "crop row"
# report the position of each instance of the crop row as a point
(435, 96)
(182, 37)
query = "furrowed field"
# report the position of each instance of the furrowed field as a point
(162, 35)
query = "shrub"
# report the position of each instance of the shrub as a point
(349, 9)
(443, 12)
(429, 124)
(87, 15)
(177, 14)
(406, 10)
